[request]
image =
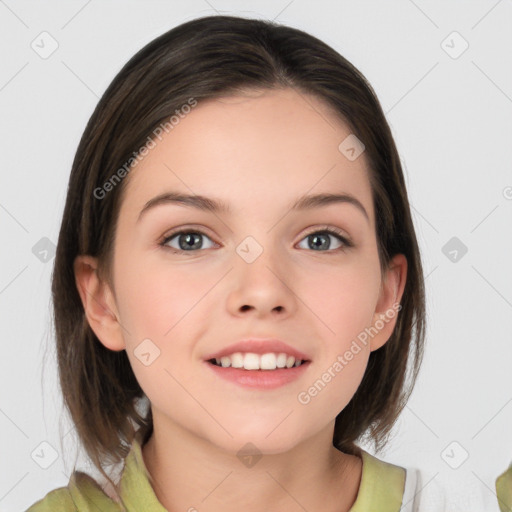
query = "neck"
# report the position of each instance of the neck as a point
(189, 472)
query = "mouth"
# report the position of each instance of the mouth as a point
(258, 362)
(258, 372)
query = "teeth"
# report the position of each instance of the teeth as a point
(268, 362)
(237, 360)
(281, 360)
(251, 361)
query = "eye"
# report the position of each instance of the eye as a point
(188, 240)
(320, 239)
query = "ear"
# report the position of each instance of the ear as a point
(388, 306)
(98, 302)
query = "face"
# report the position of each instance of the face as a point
(263, 269)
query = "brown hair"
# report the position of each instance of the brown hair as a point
(211, 57)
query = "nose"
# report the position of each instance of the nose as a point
(261, 287)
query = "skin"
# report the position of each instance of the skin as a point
(259, 152)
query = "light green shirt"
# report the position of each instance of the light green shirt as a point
(504, 490)
(381, 489)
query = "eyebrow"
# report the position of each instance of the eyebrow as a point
(199, 202)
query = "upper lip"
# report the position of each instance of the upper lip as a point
(259, 346)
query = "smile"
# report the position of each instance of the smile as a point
(259, 378)
(252, 361)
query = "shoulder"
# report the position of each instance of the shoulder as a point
(389, 487)
(56, 500)
(382, 487)
(504, 489)
(385, 480)
(82, 493)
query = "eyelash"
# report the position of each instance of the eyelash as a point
(347, 244)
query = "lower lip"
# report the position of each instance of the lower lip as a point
(260, 379)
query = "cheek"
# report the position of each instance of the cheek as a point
(333, 385)
(154, 298)
(157, 307)
(343, 298)
(344, 303)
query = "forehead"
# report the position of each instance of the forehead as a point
(264, 148)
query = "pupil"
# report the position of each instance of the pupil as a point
(315, 238)
(189, 241)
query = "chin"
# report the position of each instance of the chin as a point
(266, 439)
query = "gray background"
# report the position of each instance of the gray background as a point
(450, 114)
